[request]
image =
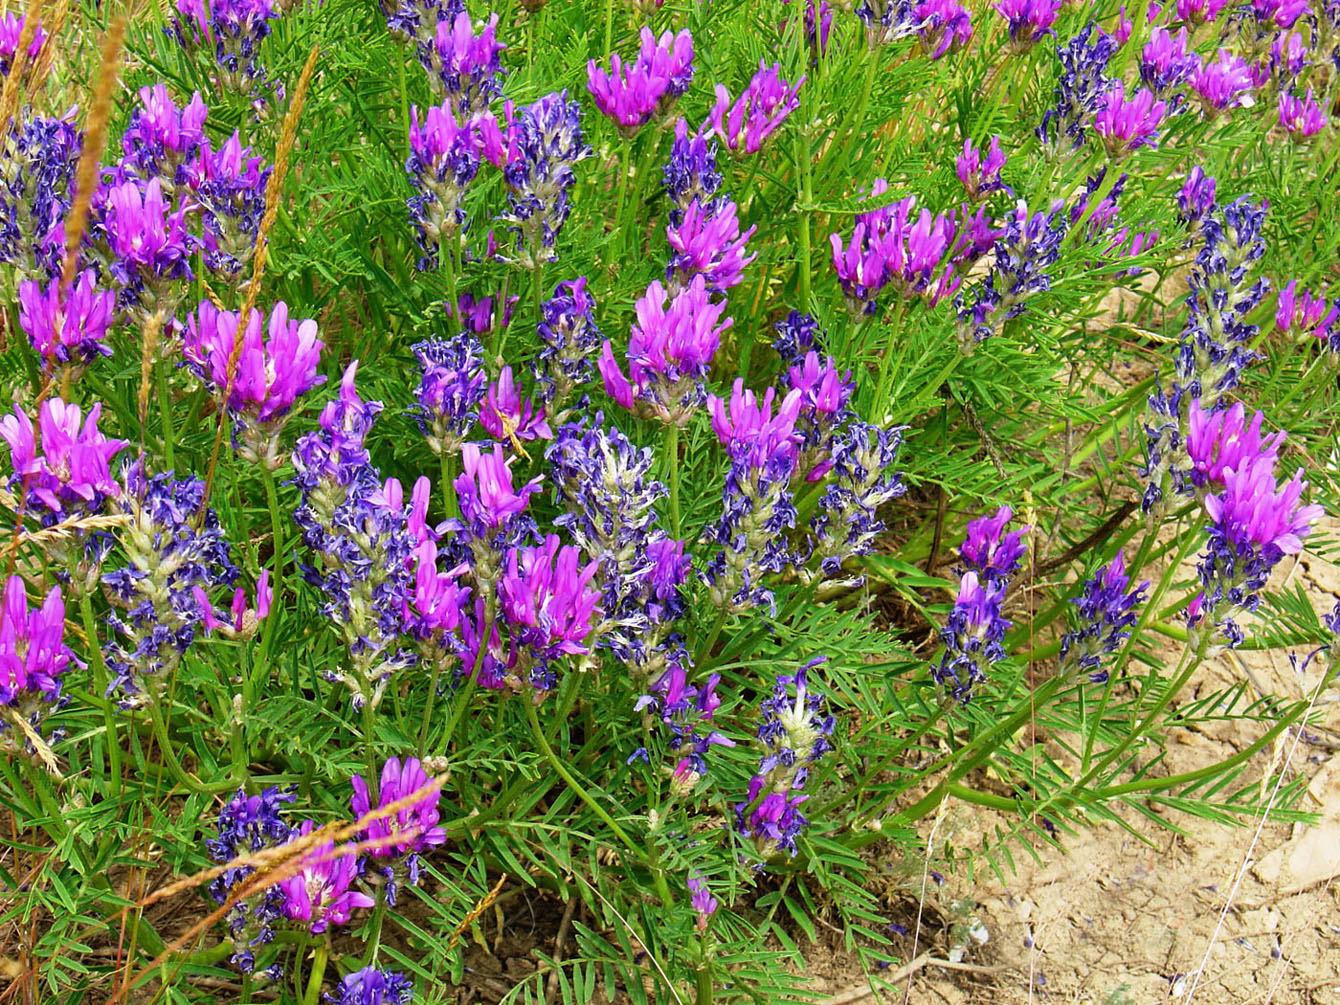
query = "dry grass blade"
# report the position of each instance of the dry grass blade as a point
(9, 97)
(68, 528)
(95, 143)
(54, 29)
(288, 134)
(148, 350)
(483, 905)
(44, 753)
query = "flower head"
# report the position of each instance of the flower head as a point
(972, 636)
(1029, 21)
(1224, 83)
(989, 551)
(33, 660)
(505, 415)
(320, 893)
(744, 125)
(451, 388)
(1302, 118)
(979, 170)
(412, 829)
(548, 603)
(465, 66)
(1106, 610)
(72, 472)
(370, 986)
(570, 340)
(630, 94)
(1303, 312)
(1128, 124)
(67, 325)
(1222, 440)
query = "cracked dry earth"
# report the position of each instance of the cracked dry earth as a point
(1125, 916)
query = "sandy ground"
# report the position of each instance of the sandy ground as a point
(1126, 916)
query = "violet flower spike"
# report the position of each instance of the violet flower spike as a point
(1223, 440)
(946, 26)
(1224, 83)
(464, 66)
(972, 636)
(744, 125)
(11, 26)
(1030, 21)
(1107, 614)
(708, 242)
(411, 830)
(702, 901)
(989, 551)
(548, 603)
(370, 986)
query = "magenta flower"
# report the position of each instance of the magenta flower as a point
(989, 551)
(73, 469)
(412, 829)
(445, 154)
(744, 125)
(319, 894)
(272, 371)
(434, 606)
(946, 26)
(1302, 118)
(669, 352)
(630, 94)
(708, 242)
(980, 173)
(1128, 124)
(161, 137)
(485, 491)
(33, 655)
(1166, 60)
(1220, 441)
(68, 328)
(505, 415)
(751, 433)
(465, 66)
(1224, 83)
(702, 901)
(546, 597)
(1253, 510)
(149, 241)
(1030, 21)
(243, 620)
(11, 26)
(1302, 312)
(889, 246)
(1278, 14)
(1199, 11)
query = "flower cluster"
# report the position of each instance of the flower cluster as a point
(363, 543)
(172, 544)
(569, 342)
(794, 732)
(1106, 609)
(412, 829)
(321, 893)
(543, 142)
(1306, 313)
(444, 158)
(232, 30)
(36, 188)
(33, 660)
(630, 95)
(548, 605)
(1081, 88)
(744, 124)
(268, 375)
(67, 325)
(11, 35)
(464, 66)
(686, 711)
(451, 387)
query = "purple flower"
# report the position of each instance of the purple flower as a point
(669, 353)
(370, 986)
(1029, 21)
(1196, 198)
(488, 501)
(1219, 441)
(972, 637)
(862, 480)
(691, 172)
(451, 388)
(946, 26)
(631, 94)
(33, 660)
(988, 551)
(1196, 12)
(686, 710)
(707, 242)
(744, 125)
(797, 334)
(1254, 522)
(149, 242)
(464, 66)
(887, 21)
(1288, 57)
(604, 483)
(362, 542)
(548, 603)
(704, 904)
(980, 173)
(67, 326)
(246, 825)
(751, 433)
(433, 609)
(1278, 14)
(825, 395)
(171, 545)
(269, 375)
(818, 23)
(1166, 61)
(570, 339)
(1225, 83)
(412, 829)
(543, 142)
(72, 473)
(1125, 124)
(1307, 314)
(229, 184)
(795, 731)
(245, 620)
(320, 893)
(1106, 607)
(445, 154)
(506, 416)
(417, 20)
(35, 195)
(11, 27)
(1081, 89)
(232, 30)
(161, 138)
(1302, 118)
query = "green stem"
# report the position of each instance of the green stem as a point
(705, 650)
(449, 509)
(609, 25)
(370, 750)
(806, 200)
(672, 458)
(165, 410)
(625, 170)
(404, 102)
(462, 702)
(260, 672)
(168, 751)
(561, 770)
(705, 989)
(374, 943)
(885, 371)
(428, 708)
(319, 957)
(109, 719)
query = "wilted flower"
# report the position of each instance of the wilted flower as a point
(972, 637)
